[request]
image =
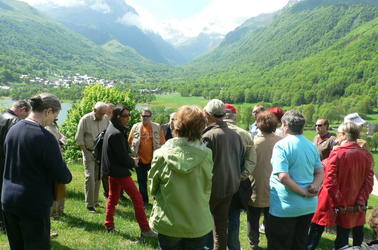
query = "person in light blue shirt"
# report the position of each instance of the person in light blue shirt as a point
(253, 129)
(294, 184)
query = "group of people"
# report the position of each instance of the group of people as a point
(201, 170)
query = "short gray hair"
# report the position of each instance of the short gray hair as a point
(100, 106)
(294, 120)
(22, 104)
(350, 129)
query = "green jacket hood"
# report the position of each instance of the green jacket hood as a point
(182, 155)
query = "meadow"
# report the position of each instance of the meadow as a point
(79, 229)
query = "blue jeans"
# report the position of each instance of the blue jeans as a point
(172, 243)
(233, 242)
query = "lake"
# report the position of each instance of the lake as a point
(5, 103)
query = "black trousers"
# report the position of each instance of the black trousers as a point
(253, 223)
(142, 173)
(287, 233)
(27, 232)
(342, 236)
(172, 243)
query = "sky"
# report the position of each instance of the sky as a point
(180, 20)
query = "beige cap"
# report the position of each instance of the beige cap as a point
(215, 108)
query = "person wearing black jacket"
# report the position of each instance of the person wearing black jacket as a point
(33, 163)
(117, 163)
(19, 110)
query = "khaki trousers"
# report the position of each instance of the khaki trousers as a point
(92, 179)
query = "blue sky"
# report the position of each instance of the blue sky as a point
(173, 8)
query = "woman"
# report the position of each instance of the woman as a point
(181, 177)
(33, 163)
(296, 176)
(264, 143)
(342, 198)
(117, 163)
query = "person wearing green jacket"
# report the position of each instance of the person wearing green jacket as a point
(181, 179)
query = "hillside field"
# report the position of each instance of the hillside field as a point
(79, 229)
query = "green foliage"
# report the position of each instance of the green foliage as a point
(32, 43)
(313, 53)
(91, 95)
(373, 142)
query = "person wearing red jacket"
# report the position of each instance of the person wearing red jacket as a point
(348, 181)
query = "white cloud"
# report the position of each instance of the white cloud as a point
(220, 16)
(131, 19)
(100, 6)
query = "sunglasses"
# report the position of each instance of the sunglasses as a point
(319, 125)
(145, 116)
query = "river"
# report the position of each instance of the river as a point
(7, 102)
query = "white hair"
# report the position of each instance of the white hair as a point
(100, 106)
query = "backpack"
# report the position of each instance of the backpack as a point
(97, 152)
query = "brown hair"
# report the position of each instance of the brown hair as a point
(45, 101)
(267, 122)
(189, 122)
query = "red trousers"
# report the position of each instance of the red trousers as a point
(128, 185)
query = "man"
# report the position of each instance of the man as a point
(144, 138)
(104, 178)
(19, 110)
(249, 164)
(109, 111)
(90, 125)
(228, 152)
(294, 184)
(168, 127)
(324, 140)
(253, 129)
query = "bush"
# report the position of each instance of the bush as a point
(91, 95)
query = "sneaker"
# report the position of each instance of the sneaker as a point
(112, 230)
(91, 209)
(53, 235)
(262, 228)
(149, 234)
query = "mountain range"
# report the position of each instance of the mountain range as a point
(311, 51)
(116, 20)
(33, 43)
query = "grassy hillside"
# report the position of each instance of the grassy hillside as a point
(30, 42)
(313, 52)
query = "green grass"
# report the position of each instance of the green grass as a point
(175, 100)
(79, 229)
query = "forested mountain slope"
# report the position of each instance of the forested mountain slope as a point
(115, 21)
(32, 43)
(312, 52)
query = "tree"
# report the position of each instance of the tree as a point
(91, 95)
(308, 112)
